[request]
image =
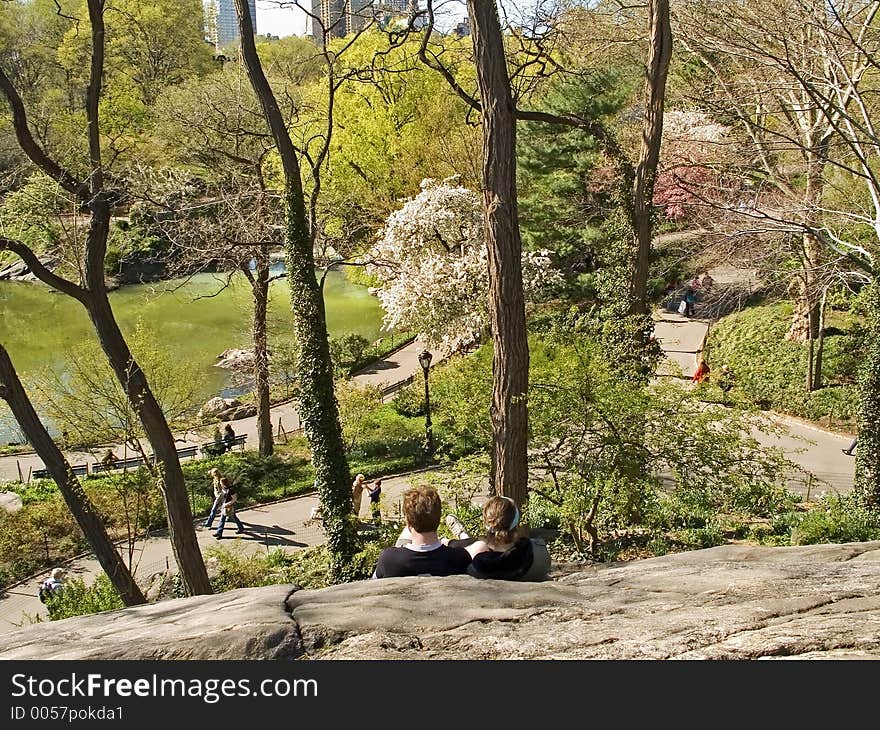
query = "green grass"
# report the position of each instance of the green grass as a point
(770, 371)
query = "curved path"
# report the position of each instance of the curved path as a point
(816, 450)
(397, 367)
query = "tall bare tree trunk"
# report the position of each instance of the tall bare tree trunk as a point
(317, 398)
(260, 285)
(649, 156)
(805, 319)
(182, 533)
(510, 361)
(78, 502)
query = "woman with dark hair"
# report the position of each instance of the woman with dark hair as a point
(503, 553)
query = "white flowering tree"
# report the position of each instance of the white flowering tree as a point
(431, 260)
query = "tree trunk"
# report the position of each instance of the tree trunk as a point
(805, 319)
(867, 481)
(317, 400)
(649, 156)
(820, 343)
(77, 500)
(260, 285)
(510, 360)
(134, 383)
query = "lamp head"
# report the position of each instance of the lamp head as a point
(425, 360)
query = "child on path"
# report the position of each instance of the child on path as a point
(375, 492)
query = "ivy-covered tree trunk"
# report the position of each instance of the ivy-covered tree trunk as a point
(78, 502)
(317, 400)
(867, 482)
(510, 360)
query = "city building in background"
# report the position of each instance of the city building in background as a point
(463, 28)
(338, 18)
(221, 21)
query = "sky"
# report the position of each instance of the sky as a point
(280, 21)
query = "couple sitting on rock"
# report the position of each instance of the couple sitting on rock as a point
(502, 554)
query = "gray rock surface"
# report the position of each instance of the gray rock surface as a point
(250, 623)
(729, 602)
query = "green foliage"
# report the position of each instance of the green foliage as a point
(258, 479)
(770, 370)
(561, 204)
(78, 599)
(356, 404)
(31, 213)
(409, 401)
(608, 446)
(348, 350)
(837, 519)
(308, 568)
(88, 401)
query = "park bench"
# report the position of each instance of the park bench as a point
(80, 470)
(189, 452)
(216, 448)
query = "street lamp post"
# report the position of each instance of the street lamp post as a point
(425, 362)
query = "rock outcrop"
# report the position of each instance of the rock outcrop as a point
(226, 409)
(20, 271)
(234, 359)
(730, 602)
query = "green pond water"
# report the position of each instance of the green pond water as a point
(38, 326)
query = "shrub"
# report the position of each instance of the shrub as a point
(837, 519)
(78, 599)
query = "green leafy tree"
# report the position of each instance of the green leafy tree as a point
(91, 405)
(563, 200)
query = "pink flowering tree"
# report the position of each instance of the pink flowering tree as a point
(693, 146)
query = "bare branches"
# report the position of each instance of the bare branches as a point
(32, 148)
(42, 273)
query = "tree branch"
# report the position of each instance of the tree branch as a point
(41, 272)
(31, 147)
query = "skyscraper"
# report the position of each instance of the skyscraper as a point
(221, 21)
(338, 18)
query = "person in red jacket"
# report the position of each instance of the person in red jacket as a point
(701, 374)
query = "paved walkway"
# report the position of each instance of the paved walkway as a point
(282, 524)
(814, 449)
(398, 367)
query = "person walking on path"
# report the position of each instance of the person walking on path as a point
(230, 497)
(690, 300)
(375, 492)
(357, 493)
(219, 483)
(852, 447)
